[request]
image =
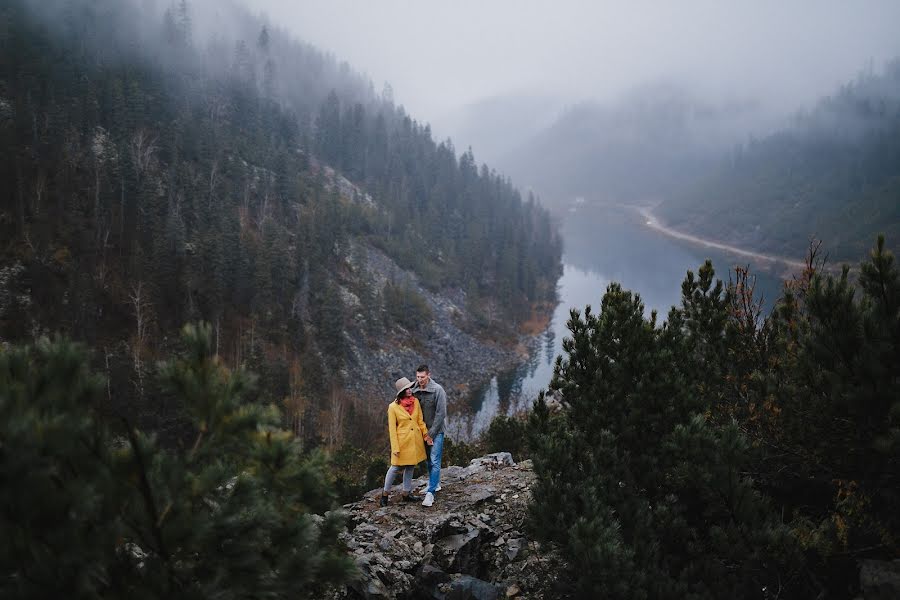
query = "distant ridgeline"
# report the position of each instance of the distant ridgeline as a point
(166, 167)
(834, 175)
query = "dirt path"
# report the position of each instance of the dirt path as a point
(651, 222)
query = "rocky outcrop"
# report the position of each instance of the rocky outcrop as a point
(470, 544)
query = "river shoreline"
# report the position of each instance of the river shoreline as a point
(653, 222)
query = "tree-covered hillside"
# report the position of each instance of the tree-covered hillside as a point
(833, 175)
(166, 163)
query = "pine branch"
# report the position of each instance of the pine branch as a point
(150, 503)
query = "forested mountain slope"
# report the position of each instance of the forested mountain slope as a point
(173, 163)
(833, 175)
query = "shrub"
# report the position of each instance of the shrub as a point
(402, 304)
(507, 434)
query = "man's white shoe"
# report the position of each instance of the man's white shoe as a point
(429, 499)
(438, 488)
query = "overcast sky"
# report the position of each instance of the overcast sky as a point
(439, 56)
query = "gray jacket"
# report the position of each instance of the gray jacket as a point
(433, 400)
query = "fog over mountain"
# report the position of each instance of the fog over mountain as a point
(446, 61)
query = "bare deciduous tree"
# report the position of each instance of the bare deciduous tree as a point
(40, 188)
(142, 148)
(295, 403)
(213, 180)
(264, 207)
(334, 416)
(102, 268)
(815, 262)
(142, 310)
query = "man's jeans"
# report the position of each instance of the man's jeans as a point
(433, 458)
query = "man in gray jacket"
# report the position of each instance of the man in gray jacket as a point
(433, 400)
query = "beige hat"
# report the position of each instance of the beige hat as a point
(402, 384)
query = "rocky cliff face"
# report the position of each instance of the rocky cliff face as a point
(470, 544)
(458, 359)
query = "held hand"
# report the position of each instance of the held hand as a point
(428, 440)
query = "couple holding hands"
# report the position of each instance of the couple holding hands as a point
(416, 425)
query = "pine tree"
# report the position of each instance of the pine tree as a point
(328, 130)
(58, 494)
(835, 412)
(236, 512)
(262, 42)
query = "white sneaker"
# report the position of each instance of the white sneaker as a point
(429, 499)
(438, 488)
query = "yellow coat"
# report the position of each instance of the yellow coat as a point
(407, 434)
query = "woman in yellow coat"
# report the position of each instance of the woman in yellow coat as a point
(407, 431)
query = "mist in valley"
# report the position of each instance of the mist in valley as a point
(601, 101)
(605, 101)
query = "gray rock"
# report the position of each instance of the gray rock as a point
(452, 473)
(373, 588)
(370, 585)
(465, 587)
(458, 553)
(365, 529)
(514, 547)
(386, 543)
(480, 494)
(490, 461)
(430, 576)
(880, 579)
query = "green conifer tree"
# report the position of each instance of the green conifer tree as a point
(237, 512)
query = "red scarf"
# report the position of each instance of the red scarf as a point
(408, 403)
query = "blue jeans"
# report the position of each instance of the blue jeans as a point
(433, 458)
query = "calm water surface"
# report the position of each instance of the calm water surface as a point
(602, 244)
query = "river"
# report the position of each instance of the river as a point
(602, 244)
